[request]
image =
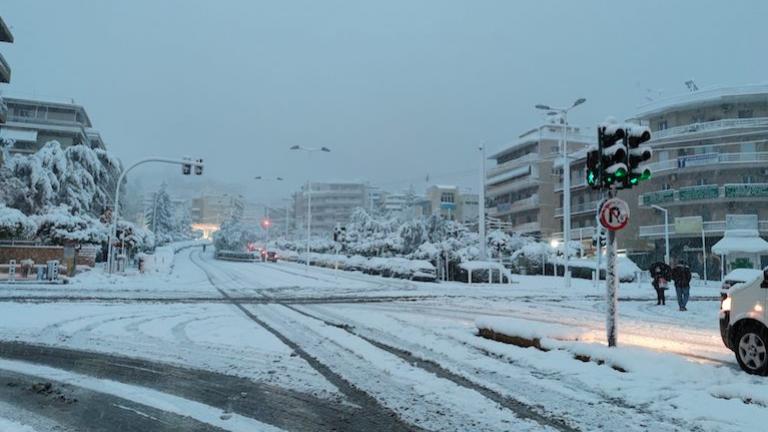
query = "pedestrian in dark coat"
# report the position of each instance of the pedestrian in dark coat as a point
(660, 274)
(681, 274)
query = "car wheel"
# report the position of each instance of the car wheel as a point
(751, 349)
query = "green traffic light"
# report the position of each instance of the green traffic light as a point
(621, 172)
(646, 175)
(634, 180)
(591, 177)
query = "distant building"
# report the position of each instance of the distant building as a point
(332, 203)
(394, 203)
(450, 203)
(208, 212)
(521, 187)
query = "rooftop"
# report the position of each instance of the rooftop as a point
(545, 131)
(707, 96)
(5, 32)
(50, 103)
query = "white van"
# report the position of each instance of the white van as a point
(743, 323)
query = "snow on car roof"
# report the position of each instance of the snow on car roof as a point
(744, 275)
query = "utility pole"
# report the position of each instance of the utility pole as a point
(481, 206)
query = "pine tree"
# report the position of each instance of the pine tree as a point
(159, 216)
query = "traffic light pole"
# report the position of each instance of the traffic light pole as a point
(611, 285)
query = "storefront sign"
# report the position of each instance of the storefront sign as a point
(658, 197)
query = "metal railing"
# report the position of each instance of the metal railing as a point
(721, 158)
(523, 204)
(579, 208)
(716, 227)
(711, 125)
(531, 180)
(584, 233)
(498, 169)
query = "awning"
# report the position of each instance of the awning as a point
(19, 135)
(734, 244)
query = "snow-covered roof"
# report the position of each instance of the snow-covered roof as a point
(546, 131)
(709, 96)
(736, 241)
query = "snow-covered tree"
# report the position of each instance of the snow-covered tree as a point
(14, 225)
(160, 216)
(135, 238)
(234, 236)
(61, 224)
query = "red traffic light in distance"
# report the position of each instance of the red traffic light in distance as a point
(266, 223)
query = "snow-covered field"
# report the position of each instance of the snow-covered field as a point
(412, 347)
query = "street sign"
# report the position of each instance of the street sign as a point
(614, 214)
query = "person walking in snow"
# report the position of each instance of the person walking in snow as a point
(681, 274)
(660, 280)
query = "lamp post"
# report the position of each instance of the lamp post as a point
(309, 151)
(566, 183)
(481, 206)
(186, 164)
(666, 231)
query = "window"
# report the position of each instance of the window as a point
(702, 182)
(666, 186)
(748, 147)
(446, 197)
(747, 179)
(661, 125)
(745, 113)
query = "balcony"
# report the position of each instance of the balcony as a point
(5, 70)
(579, 208)
(705, 160)
(705, 127)
(527, 228)
(710, 227)
(581, 234)
(519, 205)
(517, 185)
(500, 169)
(706, 193)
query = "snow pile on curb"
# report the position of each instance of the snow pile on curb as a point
(527, 329)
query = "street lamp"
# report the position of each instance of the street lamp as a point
(309, 151)
(666, 231)
(566, 182)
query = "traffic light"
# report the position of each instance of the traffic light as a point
(613, 152)
(266, 223)
(199, 168)
(593, 168)
(638, 154)
(186, 168)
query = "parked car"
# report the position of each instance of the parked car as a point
(743, 321)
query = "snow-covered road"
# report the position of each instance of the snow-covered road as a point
(405, 355)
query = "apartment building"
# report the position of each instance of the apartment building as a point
(710, 171)
(5, 68)
(208, 212)
(332, 203)
(30, 124)
(520, 189)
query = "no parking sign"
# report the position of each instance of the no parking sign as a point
(614, 214)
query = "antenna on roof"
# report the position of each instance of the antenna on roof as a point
(691, 86)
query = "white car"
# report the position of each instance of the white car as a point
(743, 323)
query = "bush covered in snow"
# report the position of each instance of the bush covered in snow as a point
(15, 225)
(234, 236)
(61, 224)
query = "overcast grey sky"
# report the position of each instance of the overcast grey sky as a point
(397, 88)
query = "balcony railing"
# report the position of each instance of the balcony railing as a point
(708, 159)
(584, 233)
(519, 205)
(528, 227)
(579, 208)
(729, 192)
(499, 169)
(710, 126)
(529, 181)
(710, 227)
